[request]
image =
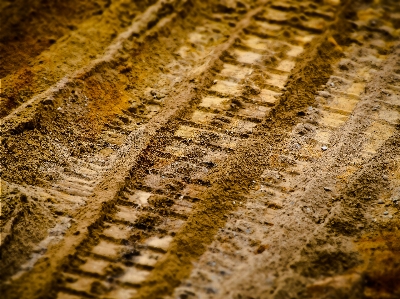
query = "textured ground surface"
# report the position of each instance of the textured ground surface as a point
(200, 149)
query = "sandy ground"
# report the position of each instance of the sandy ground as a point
(200, 149)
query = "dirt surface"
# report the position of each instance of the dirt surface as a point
(200, 149)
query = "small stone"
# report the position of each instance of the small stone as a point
(215, 81)
(261, 249)
(324, 147)
(324, 94)
(380, 201)
(59, 108)
(385, 213)
(211, 291)
(327, 189)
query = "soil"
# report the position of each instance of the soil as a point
(200, 149)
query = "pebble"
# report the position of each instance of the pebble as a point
(59, 108)
(324, 147)
(385, 213)
(324, 94)
(211, 291)
(380, 201)
(327, 189)
(215, 81)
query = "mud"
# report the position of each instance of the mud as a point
(195, 149)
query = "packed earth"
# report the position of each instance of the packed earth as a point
(187, 149)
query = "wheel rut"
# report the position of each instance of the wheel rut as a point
(205, 144)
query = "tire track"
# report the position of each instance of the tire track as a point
(194, 136)
(134, 141)
(279, 205)
(147, 204)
